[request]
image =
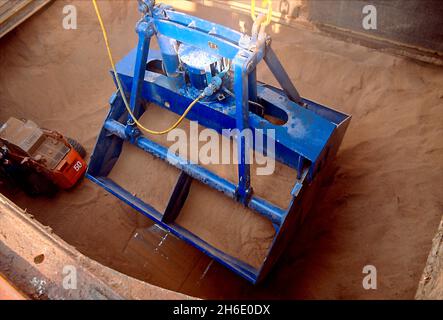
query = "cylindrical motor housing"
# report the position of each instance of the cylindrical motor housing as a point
(200, 66)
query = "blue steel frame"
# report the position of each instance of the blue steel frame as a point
(306, 142)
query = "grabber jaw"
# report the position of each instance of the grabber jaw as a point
(162, 83)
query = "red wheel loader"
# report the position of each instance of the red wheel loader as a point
(39, 161)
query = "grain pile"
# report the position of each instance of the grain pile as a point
(382, 208)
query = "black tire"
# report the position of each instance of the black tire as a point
(77, 147)
(38, 185)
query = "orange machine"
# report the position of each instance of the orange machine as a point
(38, 159)
(8, 291)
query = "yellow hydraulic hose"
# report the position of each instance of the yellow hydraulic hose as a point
(268, 14)
(117, 78)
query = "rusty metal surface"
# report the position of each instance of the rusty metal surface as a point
(431, 282)
(37, 262)
(412, 30)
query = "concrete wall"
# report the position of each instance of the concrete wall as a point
(412, 22)
(33, 258)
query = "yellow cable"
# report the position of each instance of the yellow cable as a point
(108, 48)
(268, 15)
